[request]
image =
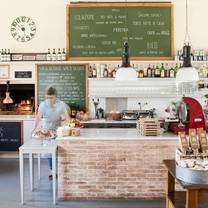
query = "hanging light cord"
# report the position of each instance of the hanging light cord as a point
(187, 36)
(126, 21)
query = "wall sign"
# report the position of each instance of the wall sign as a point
(98, 30)
(11, 135)
(23, 74)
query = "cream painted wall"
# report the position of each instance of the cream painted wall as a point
(50, 22)
(50, 16)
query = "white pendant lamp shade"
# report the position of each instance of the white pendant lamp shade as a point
(187, 74)
(126, 74)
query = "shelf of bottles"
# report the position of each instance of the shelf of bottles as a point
(146, 70)
(51, 55)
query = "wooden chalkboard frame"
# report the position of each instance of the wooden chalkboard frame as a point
(86, 81)
(22, 137)
(118, 4)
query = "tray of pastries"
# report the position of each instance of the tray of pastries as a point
(44, 134)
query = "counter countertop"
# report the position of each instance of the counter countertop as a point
(116, 134)
(17, 117)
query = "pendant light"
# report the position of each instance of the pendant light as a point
(187, 77)
(7, 99)
(126, 72)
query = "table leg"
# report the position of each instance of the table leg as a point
(21, 164)
(170, 188)
(54, 176)
(38, 166)
(31, 171)
(191, 198)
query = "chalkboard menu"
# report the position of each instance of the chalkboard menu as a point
(10, 135)
(71, 82)
(23, 74)
(97, 31)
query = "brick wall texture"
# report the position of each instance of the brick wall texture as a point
(128, 169)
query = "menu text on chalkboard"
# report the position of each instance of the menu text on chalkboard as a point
(98, 30)
(71, 82)
(10, 135)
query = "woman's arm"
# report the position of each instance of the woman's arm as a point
(66, 115)
(37, 119)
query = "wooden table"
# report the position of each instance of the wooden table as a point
(180, 199)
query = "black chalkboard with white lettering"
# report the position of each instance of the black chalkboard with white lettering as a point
(10, 135)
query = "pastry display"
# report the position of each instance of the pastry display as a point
(64, 131)
(75, 132)
(193, 150)
(44, 134)
(192, 157)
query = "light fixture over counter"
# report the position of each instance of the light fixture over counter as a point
(126, 72)
(187, 77)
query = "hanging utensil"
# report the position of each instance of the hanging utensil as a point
(7, 99)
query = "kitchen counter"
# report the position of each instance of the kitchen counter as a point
(113, 164)
(17, 117)
(117, 134)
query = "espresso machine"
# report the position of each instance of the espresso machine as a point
(188, 115)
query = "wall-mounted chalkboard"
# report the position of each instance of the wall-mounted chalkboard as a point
(71, 82)
(10, 135)
(97, 31)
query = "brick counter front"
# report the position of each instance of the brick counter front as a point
(115, 169)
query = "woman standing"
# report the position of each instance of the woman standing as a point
(53, 111)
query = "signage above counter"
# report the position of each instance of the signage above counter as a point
(97, 31)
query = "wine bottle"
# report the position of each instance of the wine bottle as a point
(162, 71)
(90, 72)
(54, 56)
(172, 72)
(105, 71)
(59, 55)
(141, 73)
(94, 71)
(157, 72)
(149, 71)
(167, 71)
(153, 71)
(48, 56)
(63, 55)
(8, 55)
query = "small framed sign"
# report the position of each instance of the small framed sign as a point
(23, 74)
(4, 71)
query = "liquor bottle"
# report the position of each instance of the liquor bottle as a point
(48, 56)
(153, 71)
(105, 71)
(63, 55)
(94, 71)
(90, 72)
(157, 72)
(8, 55)
(167, 70)
(101, 70)
(114, 73)
(149, 71)
(176, 69)
(3, 55)
(162, 71)
(172, 72)
(59, 55)
(144, 70)
(54, 56)
(141, 73)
